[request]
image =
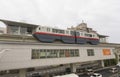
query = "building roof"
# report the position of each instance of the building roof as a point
(8, 22)
(102, 35)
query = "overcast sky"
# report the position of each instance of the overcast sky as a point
(101, 15)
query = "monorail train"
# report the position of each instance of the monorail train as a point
(49, 35)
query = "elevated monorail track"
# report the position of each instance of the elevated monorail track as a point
(22, 39)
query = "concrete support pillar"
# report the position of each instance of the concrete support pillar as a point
(22, 72)
(102, 63)
(73, 68)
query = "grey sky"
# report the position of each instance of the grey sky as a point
(101, 15)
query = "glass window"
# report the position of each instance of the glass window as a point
(48, 53)
(58, 31)
(72, 33)
(67, 53)
(23, 30)
(81, 34)
(67, 32)
(54, 53)
(88, 35)
(39, 28)
(90, 52)
(43, 53)
(29, 30)
(48, 29)
(62, 54)
(14, 29)
(77, 34)
(76, 52)
(72, 53)
(33, 54)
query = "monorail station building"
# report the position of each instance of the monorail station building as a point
(24, 49)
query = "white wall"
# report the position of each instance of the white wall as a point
(19, 55)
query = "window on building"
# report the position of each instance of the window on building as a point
(76, 52)
(35, 54)
(23, 30)
(29, 30)
(14, 29)
(48, 53)
(43, 53)
(90, 52)
(72, 53)
(54, 53)
(62, 53)
(67, 53)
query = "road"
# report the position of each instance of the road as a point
(104, 72)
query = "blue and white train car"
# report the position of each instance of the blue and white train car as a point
(85, 37)
(49, 35)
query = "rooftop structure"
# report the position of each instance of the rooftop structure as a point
(83, 27)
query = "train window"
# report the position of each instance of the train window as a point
(67, 32)
(72, 33)
(88, 35)
(58, 31)
(39, 28)
(53, 30)
(48, 29)
(61, 31)
(81, 34)
(77, 34)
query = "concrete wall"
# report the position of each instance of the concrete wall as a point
(18, 55)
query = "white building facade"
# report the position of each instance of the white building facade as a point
(26, 55)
